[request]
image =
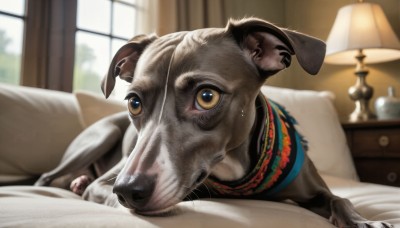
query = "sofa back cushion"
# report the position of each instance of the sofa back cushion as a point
(36, 127)
(93, 107)
(318, 122)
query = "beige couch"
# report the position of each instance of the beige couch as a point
(37, 125)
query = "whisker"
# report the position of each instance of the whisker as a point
(112, 178)
(167, 187)
(208, 190)
(190, 198)
(195, 195)
(162, 199)
(190, 192)
(116, 203)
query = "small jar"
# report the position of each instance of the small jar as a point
(388, 107)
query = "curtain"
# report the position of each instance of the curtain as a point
(166, 16)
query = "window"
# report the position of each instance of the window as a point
(12, 20)
(69, 44)
(101, 31)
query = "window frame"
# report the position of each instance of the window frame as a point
(48, 49)
(110, 34)
(49, 40)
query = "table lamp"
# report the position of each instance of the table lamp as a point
(361, 34)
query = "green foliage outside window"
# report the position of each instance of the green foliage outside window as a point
(9, 62)
(84, 77)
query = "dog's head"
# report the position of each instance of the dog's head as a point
(192, 99)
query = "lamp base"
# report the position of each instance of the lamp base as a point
(356, 116)
(361, 92)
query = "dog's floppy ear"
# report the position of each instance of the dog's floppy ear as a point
(266, 44)
(124, 62)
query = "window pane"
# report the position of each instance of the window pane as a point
(11, 35)
(123, 20)
(92, 58)
(13, 6)
(94, 15)
(121, 86)
(116, 44)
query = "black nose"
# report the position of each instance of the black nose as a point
(134, 191)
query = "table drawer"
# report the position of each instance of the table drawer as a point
(381, 171)
(376, 143)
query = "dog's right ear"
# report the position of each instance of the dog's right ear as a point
(124, 62)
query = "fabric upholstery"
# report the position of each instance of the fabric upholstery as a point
(60, 208)
(375, 202)
(36, 127)
(318, 122)
(93, 107)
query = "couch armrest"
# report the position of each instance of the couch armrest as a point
(37, 125)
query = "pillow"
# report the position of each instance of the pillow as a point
(37, 126)
(319, 123)
(93, 107)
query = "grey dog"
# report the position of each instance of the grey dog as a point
(197, 119)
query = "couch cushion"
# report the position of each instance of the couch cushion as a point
(319, 123)
(36, 127)
(93, 107)
(60, 208)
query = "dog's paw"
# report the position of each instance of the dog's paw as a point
(378, 224)
(79, 185)
(374, 224)
(361, 224)
(344, 215)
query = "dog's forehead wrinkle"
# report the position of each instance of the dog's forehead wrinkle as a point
(224, 68)
(143, 84)
(154, 61)
(195, 41)
(203, 36)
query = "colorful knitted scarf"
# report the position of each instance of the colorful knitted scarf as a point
(281, 155)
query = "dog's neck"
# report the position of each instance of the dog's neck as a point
(235, 164)
(240, 160)
(276, 154)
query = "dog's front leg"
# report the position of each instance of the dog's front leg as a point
(89, 146)
(345, 215)
(310, 191)
(100, 191)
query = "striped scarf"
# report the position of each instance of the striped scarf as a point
(281, 156)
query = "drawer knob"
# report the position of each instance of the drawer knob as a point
(392, 177)
(384, 141)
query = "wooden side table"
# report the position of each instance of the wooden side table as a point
(375, 146)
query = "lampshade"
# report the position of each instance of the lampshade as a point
(361, 26)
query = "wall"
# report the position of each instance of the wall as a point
(271, 10)
(316, 17)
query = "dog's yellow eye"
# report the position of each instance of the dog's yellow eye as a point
(207, 98)
(135, 105)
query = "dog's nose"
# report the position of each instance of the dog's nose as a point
(134, 191)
